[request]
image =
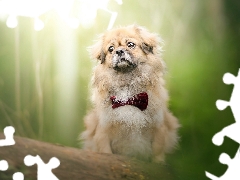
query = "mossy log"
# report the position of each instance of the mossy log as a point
(77, 164)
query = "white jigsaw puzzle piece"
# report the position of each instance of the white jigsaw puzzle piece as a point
(8, 132)
(231, 131)
(9, 141)
(44, 170)
(234, 101)
(211, 176)
(18, 176)
(3, 165)
(233, 171)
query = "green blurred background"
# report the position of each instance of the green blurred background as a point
(45, 75)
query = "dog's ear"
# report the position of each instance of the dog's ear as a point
(102, 56)
(147, 48)
(151, 42)
(96, 51)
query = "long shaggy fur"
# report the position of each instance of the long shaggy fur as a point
(126, 130)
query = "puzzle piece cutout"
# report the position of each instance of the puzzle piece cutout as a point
(8, 132)
(44, 170)
(233, 172)
(3, 165)
(234, 100)
(8, 141)
(231, 131)
(18, 176)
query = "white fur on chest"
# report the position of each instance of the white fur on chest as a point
(130, 115)
(125, 93)
(133, 135)
(129, 142)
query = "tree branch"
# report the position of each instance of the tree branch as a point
(77, 164)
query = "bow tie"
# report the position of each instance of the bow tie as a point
(140, 100)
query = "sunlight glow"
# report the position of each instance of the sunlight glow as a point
(27, 8)
(12, 22)
(87, 11)
(38, 24)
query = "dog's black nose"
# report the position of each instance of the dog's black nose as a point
(120, 52)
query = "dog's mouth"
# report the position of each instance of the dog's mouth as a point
(124, 65)
(123, 61)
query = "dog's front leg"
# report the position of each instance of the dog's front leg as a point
(158, 145)
(102, 140)
(165, 137)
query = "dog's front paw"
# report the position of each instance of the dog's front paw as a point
(158, 159)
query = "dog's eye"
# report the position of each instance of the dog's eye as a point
(110, 49)
(131, 45)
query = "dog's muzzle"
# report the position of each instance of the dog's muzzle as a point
(123, 61)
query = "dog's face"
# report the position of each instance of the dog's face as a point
(124, 49)
(122, 56)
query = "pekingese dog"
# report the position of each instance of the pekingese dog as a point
(130, 113)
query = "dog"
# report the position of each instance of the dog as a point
(130, 113)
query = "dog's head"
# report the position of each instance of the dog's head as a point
(124, 49)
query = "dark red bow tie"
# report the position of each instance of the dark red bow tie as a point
(139, 100)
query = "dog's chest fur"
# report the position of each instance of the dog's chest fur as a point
(130, 141)
(129, 115)
(131, 130)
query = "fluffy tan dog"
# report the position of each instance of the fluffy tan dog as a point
(130, 114)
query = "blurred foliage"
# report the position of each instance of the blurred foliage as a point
(52, 70)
